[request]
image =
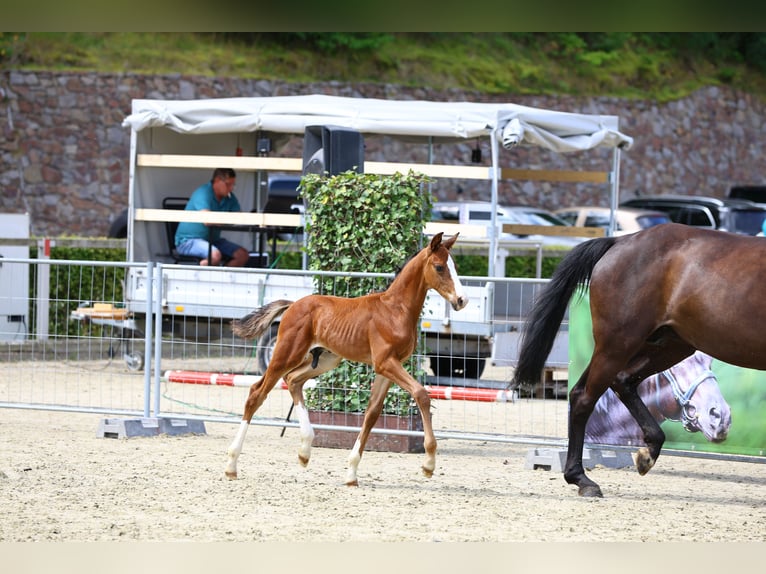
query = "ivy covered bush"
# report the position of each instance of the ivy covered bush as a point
(362, 223)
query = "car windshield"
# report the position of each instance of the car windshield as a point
(536, 218)
(746, 221)
(645, 221)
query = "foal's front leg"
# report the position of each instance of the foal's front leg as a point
(394, 371)
(378, 392)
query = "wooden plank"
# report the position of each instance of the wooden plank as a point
(432, 170)
(296, 164)
(243, 163)
(554, 230)
(553, 175)
(221, 217)
(240, 163)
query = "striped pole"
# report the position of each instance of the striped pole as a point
(220, 379)
(470, 394)
(435, 392)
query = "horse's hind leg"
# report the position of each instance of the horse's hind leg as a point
(315, 364)
(285, 359)
(653, 359)
(654, 437)
(378, 392)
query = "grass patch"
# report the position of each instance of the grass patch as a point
(660, 67)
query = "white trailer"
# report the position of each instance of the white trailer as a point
(176, 144)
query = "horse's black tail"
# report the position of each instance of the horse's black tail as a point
(543, 323)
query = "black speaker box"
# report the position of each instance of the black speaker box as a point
(332, 150)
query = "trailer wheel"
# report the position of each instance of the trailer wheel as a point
(265, 347)
(134, 361)
(463, 367)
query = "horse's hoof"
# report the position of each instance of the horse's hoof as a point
(303, 460)
(428, 473)
(352, 483)
(231, 475)
(644, 462)
(590, 491)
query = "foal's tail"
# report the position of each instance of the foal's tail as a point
(544, 321)
(254, 324)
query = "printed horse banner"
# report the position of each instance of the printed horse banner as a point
(718, 407)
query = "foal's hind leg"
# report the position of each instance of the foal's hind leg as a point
(255, 398)
(288, 355)
(314, 365)
(378, 392)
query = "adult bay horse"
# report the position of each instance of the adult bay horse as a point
(380, 329)
(656, 296)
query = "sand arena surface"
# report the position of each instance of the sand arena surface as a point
(60, 482)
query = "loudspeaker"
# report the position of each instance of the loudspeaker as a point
(332, 150)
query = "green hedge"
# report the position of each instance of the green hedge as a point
(71, 285)
(362, 223)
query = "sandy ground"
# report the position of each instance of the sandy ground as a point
(60, 482)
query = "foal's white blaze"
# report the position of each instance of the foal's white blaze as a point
(459, 291)
(235, 448)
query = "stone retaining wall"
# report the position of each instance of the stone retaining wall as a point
(64, 153)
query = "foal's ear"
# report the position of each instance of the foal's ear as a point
(451, 241)
(436, 240)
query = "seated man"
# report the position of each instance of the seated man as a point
(192, 238)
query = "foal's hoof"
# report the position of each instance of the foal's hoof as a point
(303, 460)
(427, 472)
(352, 483)
(644, 462)
(231, 475)
(590, 491)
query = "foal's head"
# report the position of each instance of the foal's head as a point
(440, 272)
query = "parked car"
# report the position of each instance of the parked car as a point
(734, 215)
(626, 219)
(480, 213)
(754, 193)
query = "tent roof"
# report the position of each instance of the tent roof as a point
(410, 119)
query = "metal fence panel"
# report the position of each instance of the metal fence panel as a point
(85, 348)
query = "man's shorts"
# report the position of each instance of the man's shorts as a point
(199, 248)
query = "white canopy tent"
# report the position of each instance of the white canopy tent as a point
(505, 124)
(556, 131)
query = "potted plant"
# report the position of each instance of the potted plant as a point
(363, 223)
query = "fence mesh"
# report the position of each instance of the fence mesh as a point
(80, 345)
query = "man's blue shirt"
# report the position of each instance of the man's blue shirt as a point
(204, 198)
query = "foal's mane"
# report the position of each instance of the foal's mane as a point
(402, 266)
